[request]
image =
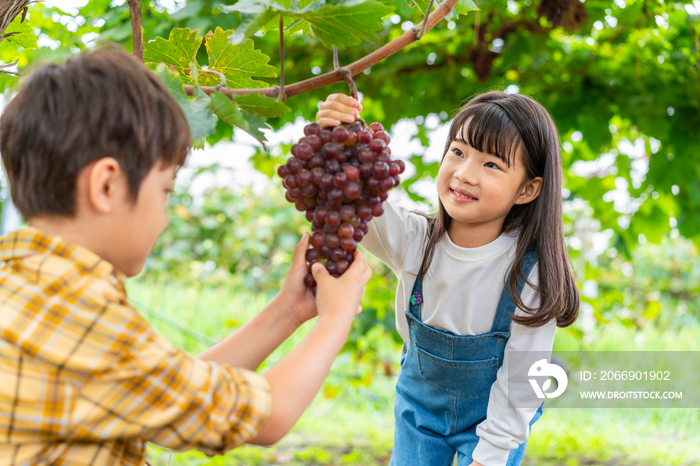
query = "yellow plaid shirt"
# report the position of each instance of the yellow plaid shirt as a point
(84, 379)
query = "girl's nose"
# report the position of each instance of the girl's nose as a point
(465, 173)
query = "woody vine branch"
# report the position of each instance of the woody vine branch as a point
(344, 73)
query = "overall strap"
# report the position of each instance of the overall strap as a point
(415, 300)
(501, 322)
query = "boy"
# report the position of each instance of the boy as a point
(91, 149)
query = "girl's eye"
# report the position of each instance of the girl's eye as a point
(457, 152)
(492, 165)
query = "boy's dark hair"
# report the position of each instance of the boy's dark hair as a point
(66, 116)
(502, 125)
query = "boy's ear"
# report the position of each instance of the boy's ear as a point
(104, 184)
(530, 191)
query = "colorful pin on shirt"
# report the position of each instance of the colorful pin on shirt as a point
(416, 298)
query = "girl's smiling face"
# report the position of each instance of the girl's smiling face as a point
(478, 189)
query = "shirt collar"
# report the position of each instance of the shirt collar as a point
(32, 241)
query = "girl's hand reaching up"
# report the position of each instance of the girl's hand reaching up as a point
(337, 109)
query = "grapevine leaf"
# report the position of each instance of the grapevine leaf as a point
(228, 111)
(22, 37)
(338, 24)
(179, 51)
(199, 117)
(346, 24)
(461, 8)
(261, 105)
(239, 63)
(255, 14)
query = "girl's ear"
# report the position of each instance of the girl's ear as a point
(529, 191)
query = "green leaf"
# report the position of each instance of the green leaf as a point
(239, 63)
(339, 24)
(228, 111)
(24, 37)
(199, 117)
(461, 8)
(261, 105)
(347, 24)
(180, 51)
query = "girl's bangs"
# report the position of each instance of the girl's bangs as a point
(487, 128)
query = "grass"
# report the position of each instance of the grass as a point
(352, 424)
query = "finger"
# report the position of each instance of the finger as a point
(359, 310)
(326, 122)
(344, 99)
(339, 107)
(336, 115)
(319, 272)
(300, 250)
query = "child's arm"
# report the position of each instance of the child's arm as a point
(127, 381)
(294, 304)
(296, 379)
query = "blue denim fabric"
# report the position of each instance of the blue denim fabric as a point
(443, 389)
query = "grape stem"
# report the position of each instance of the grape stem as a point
(136, 33)
(336, 63)
(337, 75)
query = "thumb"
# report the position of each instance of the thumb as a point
(319, 272)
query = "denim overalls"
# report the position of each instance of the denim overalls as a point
(443, 389)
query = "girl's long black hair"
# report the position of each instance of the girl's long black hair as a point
(503, 124)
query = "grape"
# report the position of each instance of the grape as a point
(294, 166)
(353, 173)
(364, 211)
(317, 239)
(337, 255)
(339, 178)
(320, 214)
(305, 151)
(357, 235)
(333, 219)
(305, 178)
(377, 145)
(345, 230)
(326, 136)
(311, 255)
(346, 213)
(329, 150)
(342, 266)
(339, 133)
(313, 128)
(377, 135)
(336, 196)
(352, 189)
(309, 281)
(315, 161)
(349, 244)
(380, 170)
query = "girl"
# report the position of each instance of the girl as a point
(488, 273)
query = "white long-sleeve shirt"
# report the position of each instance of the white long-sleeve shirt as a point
(461, 291)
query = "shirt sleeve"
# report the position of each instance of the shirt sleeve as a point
(395, 235)
(164, 395)
(505, 426)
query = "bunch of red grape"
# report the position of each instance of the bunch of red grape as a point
(340, 176)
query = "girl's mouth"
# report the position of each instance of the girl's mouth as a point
(460, 197)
